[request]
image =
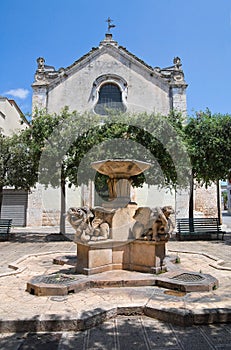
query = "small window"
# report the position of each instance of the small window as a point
(110, 97)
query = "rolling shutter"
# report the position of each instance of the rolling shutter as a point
(14, 206)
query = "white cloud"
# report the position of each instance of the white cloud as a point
(20, 93)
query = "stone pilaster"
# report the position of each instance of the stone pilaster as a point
(87, 194)
(39, 99)
(179, 102)
(182, 203)
(43, 76)
(35, 208)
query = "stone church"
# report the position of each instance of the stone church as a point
(111, 72)
(108, 76)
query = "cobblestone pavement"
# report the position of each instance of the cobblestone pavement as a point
(219, 249)
(125, 333)
(120, 332)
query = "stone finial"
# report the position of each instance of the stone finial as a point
(46, 73)
(108, 41)
(41, 63)
(40, 72)
(173, 74)
(177, 63)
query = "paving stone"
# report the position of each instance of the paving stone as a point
(191, 338)
(11, 341)
(125, 332)
(92, 306)
(70, 341)
(102, 337)
(41, 341)
(159, 334)
(218, 335)
(131, 334)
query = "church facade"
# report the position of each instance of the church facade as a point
(136, 86)
(108, 76)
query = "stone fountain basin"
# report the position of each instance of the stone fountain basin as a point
(120, 169)
(176, 283)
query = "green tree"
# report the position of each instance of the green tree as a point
(121, 136)
(39, 140)
(209, 144)
(16, 164)
(65, 145)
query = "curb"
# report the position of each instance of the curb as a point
(15, 264)
(92, 318)
(218, 264)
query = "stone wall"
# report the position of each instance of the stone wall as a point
(145, 93)
(206, 201)
(51, 218)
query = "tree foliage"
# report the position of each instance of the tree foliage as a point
(70, 142)
(17, 167)
(209, 144)
(65, 146)
(145, 137)
(60, 148)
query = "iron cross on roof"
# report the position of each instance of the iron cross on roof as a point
(109, 20)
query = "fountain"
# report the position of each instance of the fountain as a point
(119, 174)
(119, 235)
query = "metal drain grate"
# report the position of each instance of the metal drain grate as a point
(55, 279)
(188, 278)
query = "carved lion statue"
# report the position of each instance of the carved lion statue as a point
(153, 224)
(143, 224)
(162, 225)
(87, 226)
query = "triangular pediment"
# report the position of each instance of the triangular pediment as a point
(47, 75)
(113, 51)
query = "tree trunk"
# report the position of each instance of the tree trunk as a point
(219, 203)
(191, 199)
(191, 205)
(63, 203)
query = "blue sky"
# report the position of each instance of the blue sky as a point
(198, 31)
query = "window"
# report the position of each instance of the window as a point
(110, 97)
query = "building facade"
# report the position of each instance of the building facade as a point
(139, 87)
(15, 203)
(108, 76)
(12, 119)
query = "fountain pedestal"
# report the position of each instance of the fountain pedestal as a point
(134, 255)
(119, 235)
